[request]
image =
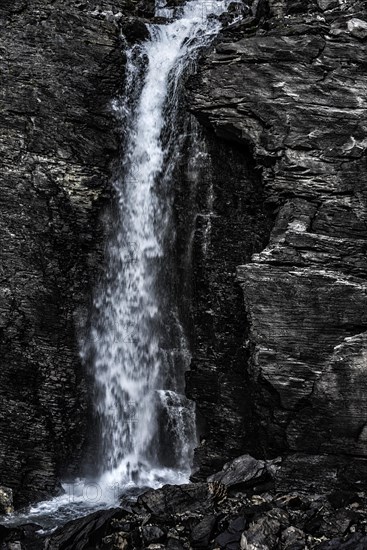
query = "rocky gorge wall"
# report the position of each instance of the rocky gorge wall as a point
(279, 265)
(232, 223)
(287, 89)
(62, 64)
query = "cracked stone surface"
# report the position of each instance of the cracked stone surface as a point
(61, 66)
(288, 86)
(279, 364)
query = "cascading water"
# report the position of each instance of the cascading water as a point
(147, 424)
(137, 345)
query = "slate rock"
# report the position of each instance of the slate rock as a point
(174, 499)
(175, 544)
(245, 471)
(358, 28)
(57, 140)
(327, 4)
(264, 532)
(26, 537)
(134, 29)
(201, 534)
(303, 320)
(84, 532)
(146, 8)
(230, 538)
(151, 534)
(293, 538)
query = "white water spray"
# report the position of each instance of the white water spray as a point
(148, 426)
(136, 344)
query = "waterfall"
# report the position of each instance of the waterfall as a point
(137, 344)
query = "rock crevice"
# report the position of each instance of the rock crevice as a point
(288, 87)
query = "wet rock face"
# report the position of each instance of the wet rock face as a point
(61, 67)
(232, 222)
(245, 470)
(288, 85)
(216, 516)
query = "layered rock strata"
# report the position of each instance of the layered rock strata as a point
(287, 86)
(61, 65)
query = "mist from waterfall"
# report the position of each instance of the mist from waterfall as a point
(137, 344)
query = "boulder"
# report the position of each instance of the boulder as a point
(174, 499)
(264, 532)
(245, 471)
(230, 538)
(84, 533)
(202, 532)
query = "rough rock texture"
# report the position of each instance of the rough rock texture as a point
(61, 65)
(289, 85)
(283, 98)
(210, 515)
(6, 500)
(83, 533)
(244, 469)
(232, 223)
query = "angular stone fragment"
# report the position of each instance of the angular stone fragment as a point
(174, 499)
(244, 470)
(151, 533)
(293, 538)
(264, 532)
(202, 532)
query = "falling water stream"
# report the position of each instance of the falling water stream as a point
(148, 426)
(136, 344)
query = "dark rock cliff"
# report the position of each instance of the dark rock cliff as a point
(279, 253)
(231, 224)
(61, 65)
(286, 89)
